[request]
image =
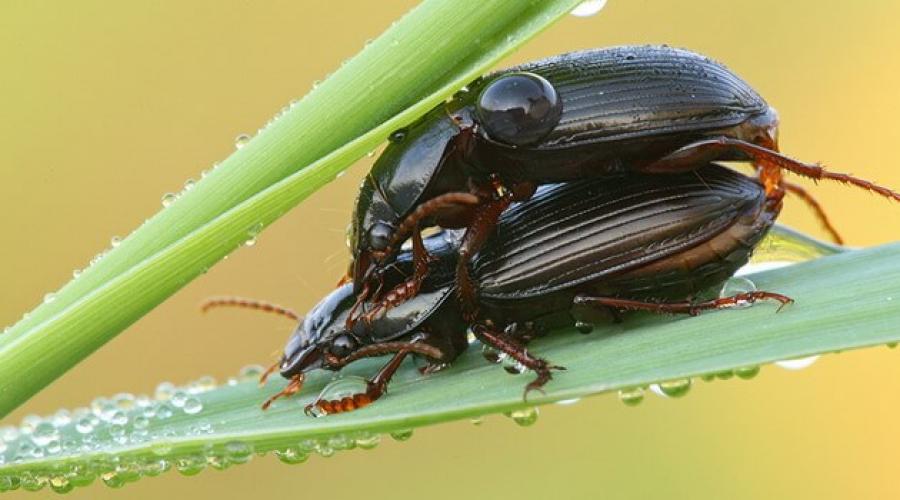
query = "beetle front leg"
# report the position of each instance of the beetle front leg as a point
(483, 224)
(409, 288)
(377, 385)
(514, 349)
(684, 307)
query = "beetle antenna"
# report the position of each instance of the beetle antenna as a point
(241, 302)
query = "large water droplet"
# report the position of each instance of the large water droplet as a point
(402, 434)
(746, 372)
(737, 285)
(524, 417)
(293, 455)
(631, 396)
(192, 406)
(672, 388)
(44, 432)
(588, 8)
(798, 363)
(168, 199)
(239, 142)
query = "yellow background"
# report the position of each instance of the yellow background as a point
(107, 105)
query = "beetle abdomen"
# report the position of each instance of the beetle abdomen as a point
(639, 91)
(588, 230)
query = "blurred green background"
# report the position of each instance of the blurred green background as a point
(108, 105)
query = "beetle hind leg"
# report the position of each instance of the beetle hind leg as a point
(517, 351)
(685, 307)
(807, 198)
(766, 157)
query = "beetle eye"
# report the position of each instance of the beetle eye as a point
(518, 108)
(380, 236)
(343, 345)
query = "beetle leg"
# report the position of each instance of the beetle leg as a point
(409, 288)
(685, 307)
(800, 192)
(258, 305)
(377, 385)
(514, 349)
(772, 163)
(483, 224)
(413, 220)
(290, 389)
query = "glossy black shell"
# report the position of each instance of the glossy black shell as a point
(626, 92)
(623, 108)
(587, 230)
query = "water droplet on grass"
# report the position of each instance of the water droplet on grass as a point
(402, 434)
(240, 141)
(631, 396)
(798, 363)
(524, 417)
(588, 8)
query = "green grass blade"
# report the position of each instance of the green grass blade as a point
(831, 314)
(419, 61)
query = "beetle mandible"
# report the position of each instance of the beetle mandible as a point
(650, 109)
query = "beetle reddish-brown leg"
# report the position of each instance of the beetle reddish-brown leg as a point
(685, 307)
(482, 226)
(514, 349)
(290, 389)
(724, 148)
(241, 302)
(412, 221)
(800, 192)
(408, 288)
(375, 388)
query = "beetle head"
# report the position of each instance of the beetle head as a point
(321, 335)
(408, 171)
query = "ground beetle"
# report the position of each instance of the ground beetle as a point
(651, 109)
(642, 242)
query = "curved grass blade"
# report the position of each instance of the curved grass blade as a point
(222, 426)
(414, 65)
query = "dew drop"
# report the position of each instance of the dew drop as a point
(61, 484)
(168, 199)
(253, 234)
(737, 285)
(241, 141)
(568, 402)
(115, 241)
(524, 417)
(50, 297)
(189, 184)
(402, 434)
(76, 273)
(476, 420)
(746, 372)
(343, 387)
(192, 406)
(190, 465)
(397, 136)
(584, 327)
(367, 440)
(238, 452)
(84, 425)
(673, 388)
(164, 411)
(250, 373)
(588, 8)
(292, 456)
(798, 363)
(178, 399)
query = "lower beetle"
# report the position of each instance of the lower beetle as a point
(642, 242)
(651, 109)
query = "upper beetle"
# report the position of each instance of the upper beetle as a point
(592, 113)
